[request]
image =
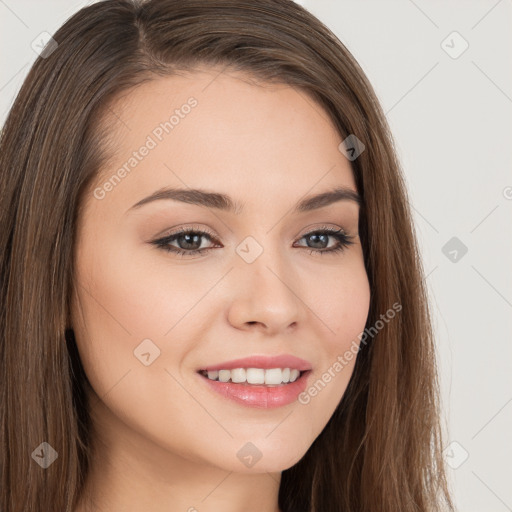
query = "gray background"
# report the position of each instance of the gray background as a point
(451, 119)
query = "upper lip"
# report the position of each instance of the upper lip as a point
(265, 362)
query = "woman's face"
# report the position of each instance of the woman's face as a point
(148, 319)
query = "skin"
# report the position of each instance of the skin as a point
(162, 440)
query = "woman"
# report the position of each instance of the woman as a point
(211, 295)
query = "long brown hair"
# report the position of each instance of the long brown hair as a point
(381, 449)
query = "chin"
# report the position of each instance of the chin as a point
(262, 456)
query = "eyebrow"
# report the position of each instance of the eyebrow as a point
(224, 202)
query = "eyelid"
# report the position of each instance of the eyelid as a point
(344, 240)
(312, 228)
(185, 229)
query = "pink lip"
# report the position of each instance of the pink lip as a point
(264, 362)
(263, 397)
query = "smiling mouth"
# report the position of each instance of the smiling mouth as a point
(255, 376)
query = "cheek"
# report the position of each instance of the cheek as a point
(126, 297)
(343, 305)
(343, 312)
(116, 311)
(129, 294)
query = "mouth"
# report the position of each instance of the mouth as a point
(262, 377)
(261, 381)
(261, 388)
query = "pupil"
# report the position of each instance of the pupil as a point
(315, 237)
(187, 238)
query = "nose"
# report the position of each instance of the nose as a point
(266, 296)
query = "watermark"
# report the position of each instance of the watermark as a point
(146, 352)
(249, 249)
(157, 135)
(249, 454)
(44, 45)
(343, 360)
(455, 455)
(45, 455)
(454, 45)
(454, 249)
(351, 147)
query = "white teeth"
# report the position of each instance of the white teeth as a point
(238, 375)
(294, 375)
(270, 377)
(255, 376)
(273, 376)
(224, 375)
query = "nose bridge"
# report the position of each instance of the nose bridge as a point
(266, 285)
(262, 257)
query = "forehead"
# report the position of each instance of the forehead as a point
(226, 132)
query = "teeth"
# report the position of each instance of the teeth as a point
(238, 375)
(224, 375)
(294, 375)
(273, 376)
(255, 376)
(270, 377)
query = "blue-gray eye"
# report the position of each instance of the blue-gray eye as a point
(189, 241)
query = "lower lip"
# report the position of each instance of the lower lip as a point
(263, 397)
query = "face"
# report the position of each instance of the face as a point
(271, 280)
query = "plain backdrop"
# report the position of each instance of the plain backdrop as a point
(442, 71)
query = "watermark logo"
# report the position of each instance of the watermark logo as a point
(351, 147)
(454, 45)
(45, 455)
(152, 140)
(146, 352)
(455, 455)
(249, 249)
(44, 45)
(344, 360)
(454, 250)
(249, 454)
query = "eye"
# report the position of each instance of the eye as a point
(321, 236)
(188, 241)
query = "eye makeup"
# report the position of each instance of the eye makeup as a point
(191, 237)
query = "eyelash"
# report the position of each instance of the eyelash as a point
(344, 241)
